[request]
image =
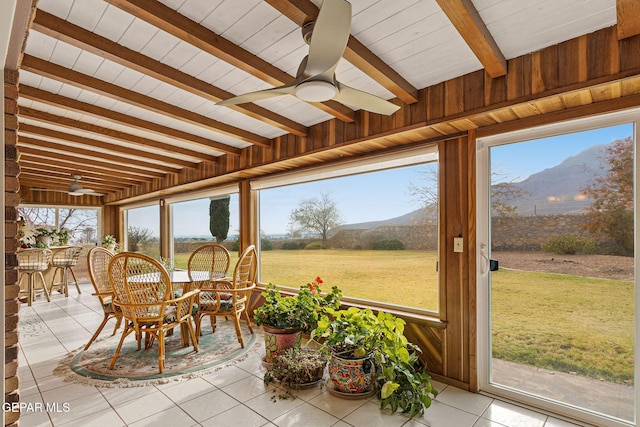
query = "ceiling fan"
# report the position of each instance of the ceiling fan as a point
(315, 81)
(75, 189)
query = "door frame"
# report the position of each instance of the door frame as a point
(483, 254)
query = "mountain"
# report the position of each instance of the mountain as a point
(560, 189)
(554, 190)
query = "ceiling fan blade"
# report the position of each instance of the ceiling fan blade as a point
(329, 37)
(288, 89)
(48, 189)
(365, 101)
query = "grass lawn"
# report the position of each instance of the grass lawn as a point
(564, 323)
(558, 322)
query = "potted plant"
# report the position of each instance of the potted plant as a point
(370, 354)
(109, 242)
(285, 318)
(63, 237)
(296, 368)
(44, 237)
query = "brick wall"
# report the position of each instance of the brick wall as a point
(12, 199)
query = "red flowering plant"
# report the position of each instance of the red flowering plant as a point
(297, 311)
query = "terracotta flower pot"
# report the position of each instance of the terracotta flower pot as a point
(278, 339)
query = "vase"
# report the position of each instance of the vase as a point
(278, 339)
(351, 375)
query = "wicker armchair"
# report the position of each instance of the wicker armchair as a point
(33, 262)
(143, 292)
(207, 262)
(63, 261)
(229, 296)
(98, 262)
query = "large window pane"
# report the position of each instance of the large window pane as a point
(373, 235)
(192, 224)
(80, 223)
(143, 230)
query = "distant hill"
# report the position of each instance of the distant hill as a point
(554, 190)
(560, 189)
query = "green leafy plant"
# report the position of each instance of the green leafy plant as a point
(298, 311)
(401, 381)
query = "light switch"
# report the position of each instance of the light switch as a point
(458, 243)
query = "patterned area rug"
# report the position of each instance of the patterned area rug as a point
(140, 367)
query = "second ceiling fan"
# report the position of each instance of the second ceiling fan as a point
(315, 80)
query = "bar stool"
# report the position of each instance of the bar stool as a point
(62, 261)
(30, 262)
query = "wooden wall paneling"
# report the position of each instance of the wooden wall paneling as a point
(454, 273)
(473, 86)
(603, 53)
(573, 66)
(430, 342)
(631, 59)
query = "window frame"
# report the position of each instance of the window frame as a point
(414, 156)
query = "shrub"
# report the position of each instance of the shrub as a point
(290, 246)
(387, 245)
(316, 245)
(569, 244)
(266, 244)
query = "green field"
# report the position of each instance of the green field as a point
(552, 321)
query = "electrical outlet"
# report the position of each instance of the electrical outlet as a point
(458, 243)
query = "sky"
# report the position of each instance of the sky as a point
(375, 196)
(526, 158)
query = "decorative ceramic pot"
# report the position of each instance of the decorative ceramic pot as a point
(278, 339)
(351, 375)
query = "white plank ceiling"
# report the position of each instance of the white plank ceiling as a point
(414, 37)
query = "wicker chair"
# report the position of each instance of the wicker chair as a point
(143, 292)
(98, 263)
(63, 261)
(33, 262)
(207, 262)
(229, 296)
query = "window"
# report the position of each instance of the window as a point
(143, 230)
(191, 225)
(81, 223)
(369, 228)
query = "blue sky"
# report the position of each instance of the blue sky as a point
(377, 196)
(526, 158)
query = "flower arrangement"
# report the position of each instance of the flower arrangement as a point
(299, 311)
(108, 240)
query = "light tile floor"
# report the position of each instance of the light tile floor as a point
(235, 396)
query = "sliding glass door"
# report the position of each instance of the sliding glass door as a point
(556, 243)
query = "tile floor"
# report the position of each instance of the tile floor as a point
(235, 396)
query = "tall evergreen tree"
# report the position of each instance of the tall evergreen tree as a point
(219, 217)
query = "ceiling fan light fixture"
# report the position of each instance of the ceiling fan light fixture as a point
(316, 91)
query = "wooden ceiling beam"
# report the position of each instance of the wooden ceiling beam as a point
(89, 154)
(72, 124)
(465, 17)
(39, 161)
(76, 36)
(303, 11)
(110, 90)
(53, 99)
(628, 24)
(94, 143)
(172, 22)
(84, 161)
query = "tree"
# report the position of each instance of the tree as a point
(318, 215)
(219, 218)
(611, 213)
(137, 236)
